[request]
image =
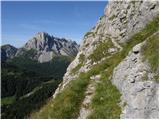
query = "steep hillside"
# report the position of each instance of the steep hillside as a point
(28, 84)
(114, 75)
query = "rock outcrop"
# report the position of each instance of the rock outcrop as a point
(135, 80)
(125, 18)
(121, 20)
(47, 47)
(7, 52)
(44, 46)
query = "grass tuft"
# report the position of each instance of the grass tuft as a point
(101, 50)
(150, 52)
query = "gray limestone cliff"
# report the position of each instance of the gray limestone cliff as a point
(137, 82)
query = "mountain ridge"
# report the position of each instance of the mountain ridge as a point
(46, 47)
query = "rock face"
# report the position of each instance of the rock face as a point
(136, 81)
(48, 46)
(7, 52)
(128, 18)
(45, 48)
(121, 20)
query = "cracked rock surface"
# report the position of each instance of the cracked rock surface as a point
(136, 82)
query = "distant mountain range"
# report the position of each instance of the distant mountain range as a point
(42, 47)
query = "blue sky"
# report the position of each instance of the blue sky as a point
(22, 20)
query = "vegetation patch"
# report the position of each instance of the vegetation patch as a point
(67, 103)
(7, 100)
(28, 103)
(112, 17)
(87, 45)
(89, 33)
(151, 52)
(81, 61)
(101, 50)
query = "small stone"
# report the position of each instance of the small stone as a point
(136, 49)
(132, 80)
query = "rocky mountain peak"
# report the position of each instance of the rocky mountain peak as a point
(41, 35)
(45, 47)
(7, 52)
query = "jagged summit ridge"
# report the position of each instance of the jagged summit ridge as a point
(44, 41)
(47, 46)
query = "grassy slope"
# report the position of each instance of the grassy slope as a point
(108, 108)
(150, 52)
(67, 103)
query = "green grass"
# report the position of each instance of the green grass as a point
(7, 100)
(81, 61)
(88, 33)
(108, 107)
(150, 52)
(112, 17)
(81, 58)
(101, 50)
(105, 102)
(106, 99)
(66, 104)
